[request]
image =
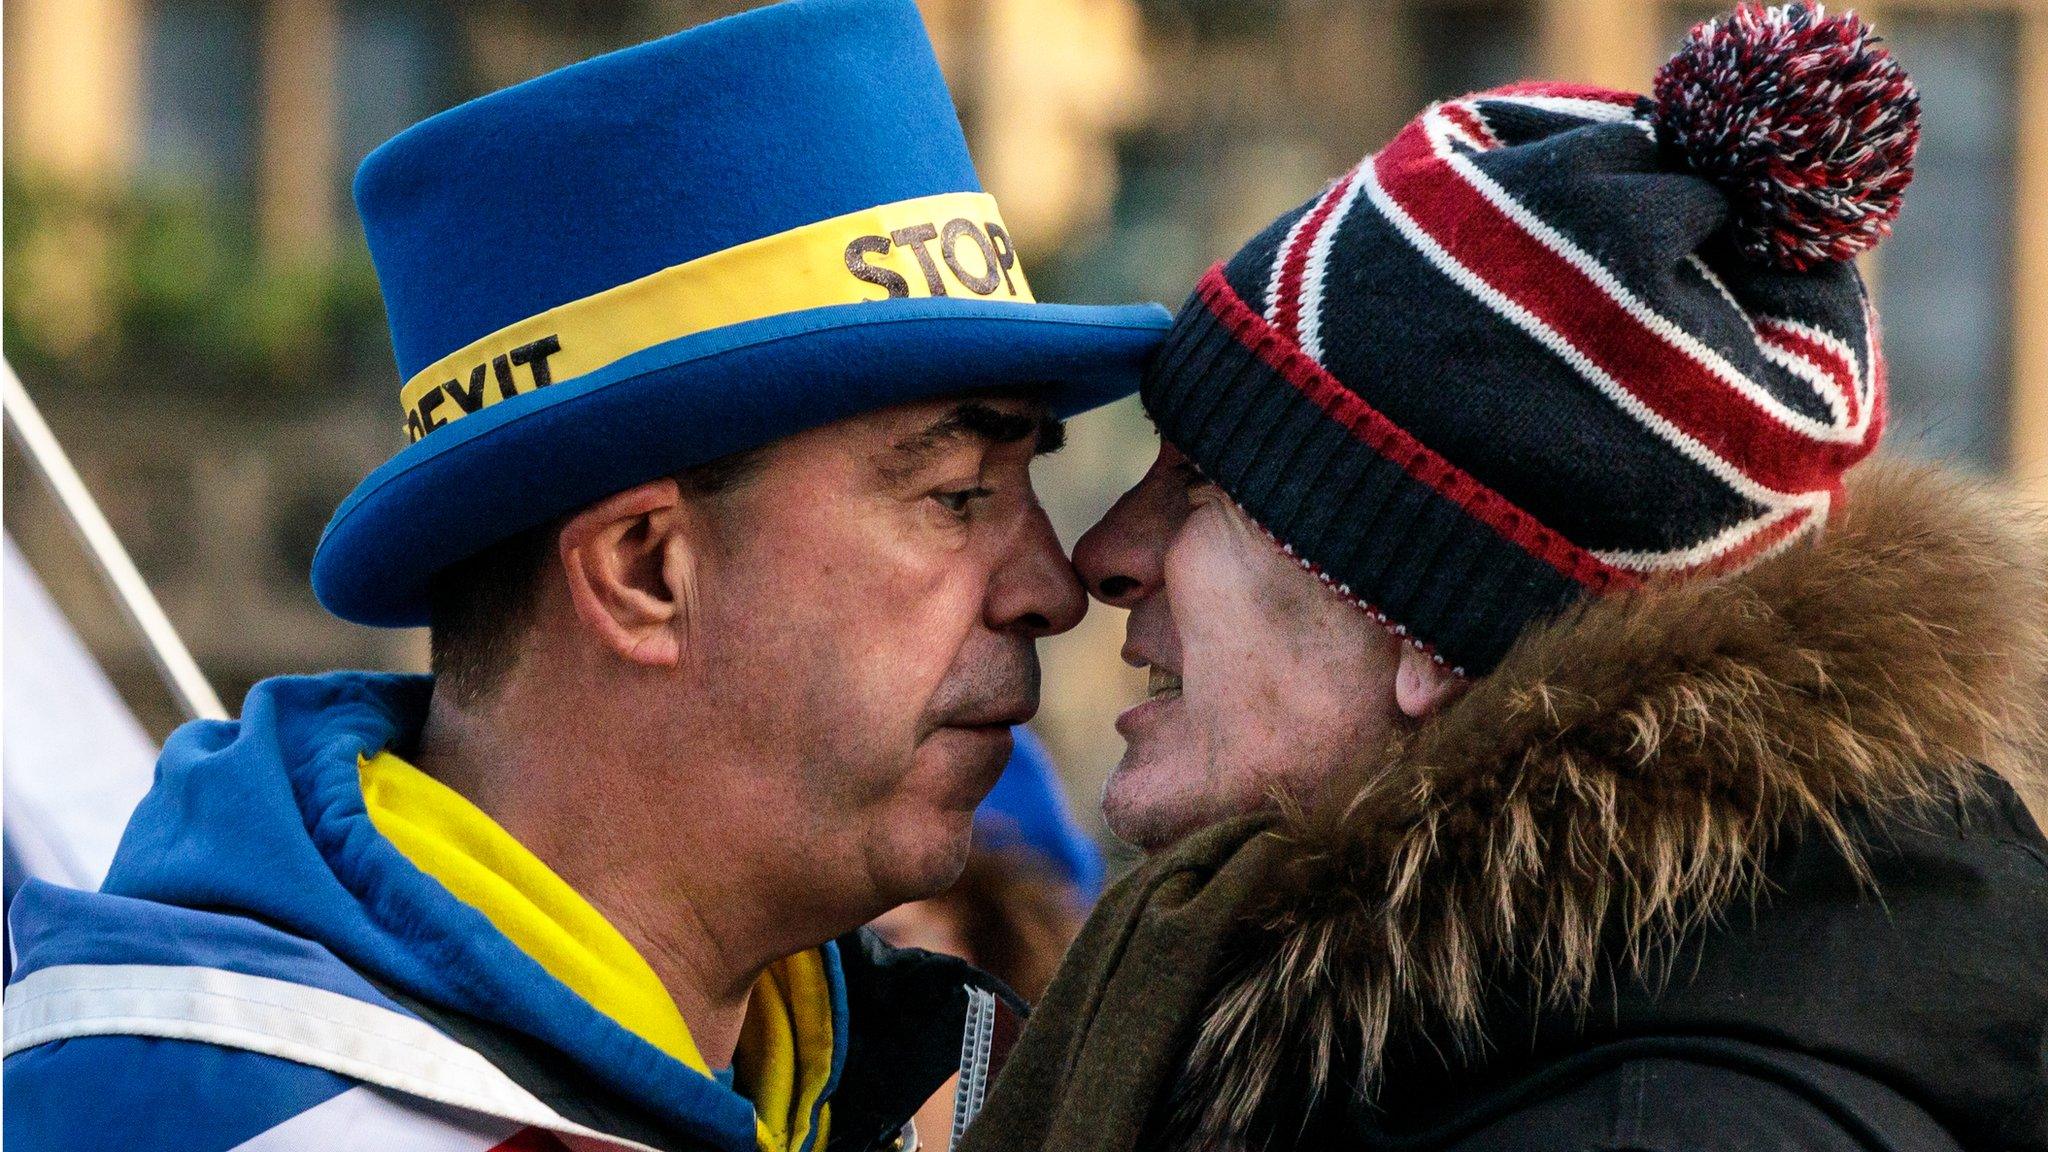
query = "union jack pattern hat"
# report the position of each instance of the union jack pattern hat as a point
(1554, 341)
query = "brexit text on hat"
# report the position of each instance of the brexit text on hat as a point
(950, 245)
(464, 398)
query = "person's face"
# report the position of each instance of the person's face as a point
(864, 625)
(1261, 678)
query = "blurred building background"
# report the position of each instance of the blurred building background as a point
(188, 296)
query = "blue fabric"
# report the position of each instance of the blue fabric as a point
(1027, 809)
(842, 1025)
(134, 1093)
(51, 926)
(263, 819)
(617, 167)
(623, 165)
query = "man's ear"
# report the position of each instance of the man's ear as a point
(627, 561)
(1423, 687)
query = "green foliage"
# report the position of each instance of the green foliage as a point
(164, 286)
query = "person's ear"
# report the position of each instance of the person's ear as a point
(1423, 687)
(627, 562)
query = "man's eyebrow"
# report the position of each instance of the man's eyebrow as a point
(973, 419)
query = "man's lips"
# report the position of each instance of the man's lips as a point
(1000, 729)
(1137, 653)
(1162, 691)
(1162, 683)
(993, 719)
(1161, 677)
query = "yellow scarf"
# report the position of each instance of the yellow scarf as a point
(784, 1061)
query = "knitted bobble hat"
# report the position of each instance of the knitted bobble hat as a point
(1553, 340)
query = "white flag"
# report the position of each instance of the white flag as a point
(74, 761)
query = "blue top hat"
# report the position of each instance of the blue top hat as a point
(675, 252)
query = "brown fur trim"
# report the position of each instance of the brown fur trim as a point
(1625, 770)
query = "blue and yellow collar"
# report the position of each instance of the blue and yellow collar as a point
(790, 1049)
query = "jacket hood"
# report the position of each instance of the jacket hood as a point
(1782, 806)
(253, 816)
(262, 819)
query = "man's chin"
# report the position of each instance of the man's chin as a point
(969, 760)
(919, 857)
(1149, 804)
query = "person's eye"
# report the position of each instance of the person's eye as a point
(960, 501)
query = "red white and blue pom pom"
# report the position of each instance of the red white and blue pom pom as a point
(1805, 123)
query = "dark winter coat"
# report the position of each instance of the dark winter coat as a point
(1735, 865)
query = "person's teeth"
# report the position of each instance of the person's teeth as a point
(1160, 683)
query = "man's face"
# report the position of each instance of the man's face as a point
(1261, 678)
(864, 623)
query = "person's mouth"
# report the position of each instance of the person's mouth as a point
(1162, 691)
(994, 728)
(1161, 684)
(999, 718)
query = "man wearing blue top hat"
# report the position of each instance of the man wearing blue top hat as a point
(722, 380)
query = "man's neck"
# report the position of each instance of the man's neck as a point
(668, 884)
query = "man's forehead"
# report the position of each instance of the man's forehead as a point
(916, 418)
(900, 439)
(934, 431)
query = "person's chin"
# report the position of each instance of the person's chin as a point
(969, 759)
(924, 858)
(1152, 799)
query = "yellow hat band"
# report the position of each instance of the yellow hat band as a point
(952, 244)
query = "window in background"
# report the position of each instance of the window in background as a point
(396, 68)
(1466, 47)
(200, 89)
(1944, 278)
(1255, 107)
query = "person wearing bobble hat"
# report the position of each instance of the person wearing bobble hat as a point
(1561, 735)
(722, 382)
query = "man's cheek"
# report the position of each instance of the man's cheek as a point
(1228, 643)
(900, 665)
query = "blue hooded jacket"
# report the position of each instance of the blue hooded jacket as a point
(253, 868)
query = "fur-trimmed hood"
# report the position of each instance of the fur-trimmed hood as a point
(1634, 776)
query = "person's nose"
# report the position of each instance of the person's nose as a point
(1035, 592)
(1122, 558)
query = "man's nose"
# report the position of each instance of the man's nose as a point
(1121, 559)
(1035, 592)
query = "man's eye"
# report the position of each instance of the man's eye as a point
(960, 500)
